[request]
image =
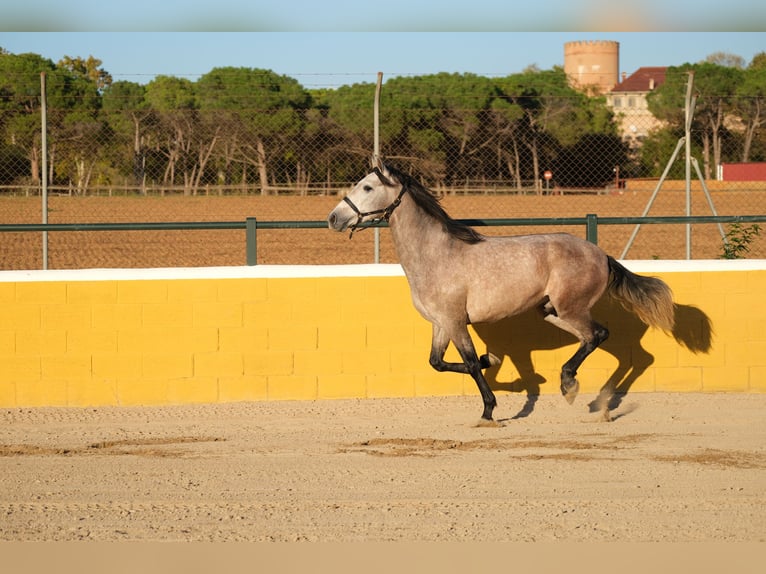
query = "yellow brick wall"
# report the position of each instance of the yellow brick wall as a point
(74, 342)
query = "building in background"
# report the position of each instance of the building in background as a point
(592, 66)
(628, 102)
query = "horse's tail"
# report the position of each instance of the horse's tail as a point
(648, 297)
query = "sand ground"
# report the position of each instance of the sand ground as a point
(669, 468)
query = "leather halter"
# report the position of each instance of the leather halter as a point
(384, 212)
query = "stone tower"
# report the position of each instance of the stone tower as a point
(592, 66)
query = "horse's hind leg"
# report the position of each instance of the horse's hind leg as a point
(591, 335)
(471, 364)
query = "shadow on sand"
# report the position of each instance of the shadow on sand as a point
(517, 337)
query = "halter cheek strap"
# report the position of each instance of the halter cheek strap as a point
(386, 212)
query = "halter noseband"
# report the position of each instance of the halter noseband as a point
(385, 212)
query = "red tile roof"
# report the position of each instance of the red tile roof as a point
(640, 80)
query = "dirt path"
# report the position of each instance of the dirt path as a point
(671, 467)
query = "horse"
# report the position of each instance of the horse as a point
(458, 276)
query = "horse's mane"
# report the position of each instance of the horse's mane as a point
(429, 203)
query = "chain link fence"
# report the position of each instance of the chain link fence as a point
(526, 145)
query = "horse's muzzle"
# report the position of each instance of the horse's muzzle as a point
(336, 222)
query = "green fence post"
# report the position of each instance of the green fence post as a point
(591, 224)
(251, 235)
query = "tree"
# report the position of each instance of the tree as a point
(78, 135)
(177, 134)
(758, 62)
(129, 114)
(20, 104)
(348, 113)
(751, 102)
(656, 150)
(270, 108)
(551, 117)
(73, 122)
(715, 87)
(726, 60)
(506, 119)
(87, 68)
(446, 116)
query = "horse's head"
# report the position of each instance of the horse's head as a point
(374, 198)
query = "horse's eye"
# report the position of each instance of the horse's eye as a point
(368, 188)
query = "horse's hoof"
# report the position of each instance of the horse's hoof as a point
(570, 393)
(489, 360)
(487, 423)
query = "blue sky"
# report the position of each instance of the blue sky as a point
(320, 59)
(386, 16)
(337, 42)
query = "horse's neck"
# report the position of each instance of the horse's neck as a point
(418, 238)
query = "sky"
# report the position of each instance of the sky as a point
(331, 59)
(386, 16)
(339, 42)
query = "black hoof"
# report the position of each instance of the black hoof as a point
(489, 360)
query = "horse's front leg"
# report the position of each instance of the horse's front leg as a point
(471, 364)
(439, 343)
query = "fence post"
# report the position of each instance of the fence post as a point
(376, 154)
(251, 236)
(591, 228)
(44, 153)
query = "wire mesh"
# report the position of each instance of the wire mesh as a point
(236, 143)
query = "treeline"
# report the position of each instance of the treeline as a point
(254, 129)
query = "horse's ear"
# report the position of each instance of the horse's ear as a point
(383, 179)
(378, 168)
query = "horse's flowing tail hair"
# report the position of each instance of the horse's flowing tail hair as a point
(648, 297)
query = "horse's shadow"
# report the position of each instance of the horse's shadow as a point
(516, 338)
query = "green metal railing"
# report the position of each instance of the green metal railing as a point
(251, 225)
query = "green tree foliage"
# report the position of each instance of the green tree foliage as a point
(253, 128)
(715, 89)
(269, 107)
(560, 129)
(175, 134)
(441, 123)
(130, 115)
(74, 124)
(345, 117)
(20, 106)
(88, 68)
(751, 105)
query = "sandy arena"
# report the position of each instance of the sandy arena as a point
(670, 468)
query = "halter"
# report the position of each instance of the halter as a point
(386, 211)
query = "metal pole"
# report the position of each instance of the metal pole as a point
(673, 157)
(709, 198)
(689, 111)
(44, 152)
(376, 152)
(591, 228)
(251, 239)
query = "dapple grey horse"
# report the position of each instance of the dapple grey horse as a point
(458, 276)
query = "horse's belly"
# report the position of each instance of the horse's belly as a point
(488, 307)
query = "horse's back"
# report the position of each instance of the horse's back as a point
(561, 251)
